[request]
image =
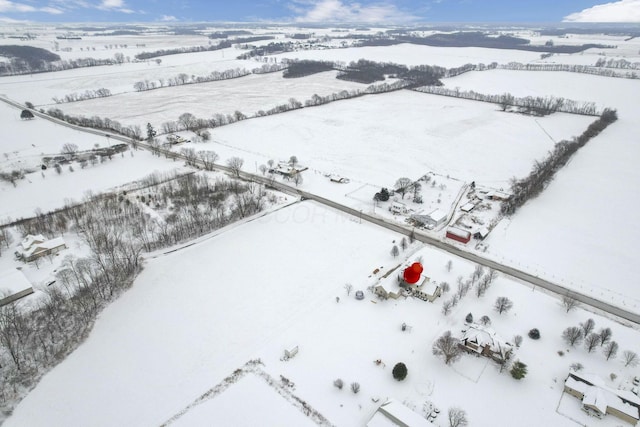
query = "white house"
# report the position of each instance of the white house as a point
(37, 246)
(393, 413)
(13, 286)
(599, 400)
(398, 208)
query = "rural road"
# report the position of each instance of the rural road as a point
(452, 249)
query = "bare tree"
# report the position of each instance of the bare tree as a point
(293, 161)
(482, 286)
(485, 320)
(447, 306)
(457, 418)
(587, 327)
(610, 350)
(208, 158)
(630, 358)
(355, 387)
(69, 149)
(189, 155)
(404, 244)
(569, 302)
(263, 169)
(591, 342)
(403, 185)
(605, 335)
(572, 335)
(503, 305)
(446, 347)
(348, 287)
(338, 383)
(445, 287)
(235, 164)
(395, 251)
(297, 178)
(187, 120)
(448, 266)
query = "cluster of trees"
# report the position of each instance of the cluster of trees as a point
(584, 69)
(224, 44)
(530, 105)
(364, 71)
(482, 281)
(269, 49)
(185, 79)
(226, 33)
(618, 63)
(17, 66)
(13, 176)
(297, 69)
(544, 170)
(88, 94)
(574, 335)
(96, 122)
(116, 230)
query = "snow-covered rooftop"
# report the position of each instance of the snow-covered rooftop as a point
(598, 395)
(393, 413)
(458, 232)
(13, 281)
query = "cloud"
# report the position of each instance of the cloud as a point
(9, 6)
(348, 11)
(168, 18)
(6, 20)
(114, 5)
(618, 11)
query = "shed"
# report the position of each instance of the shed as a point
(290, 352)
(468, 207)
(458, 234)
(481, 233)
(13, 286)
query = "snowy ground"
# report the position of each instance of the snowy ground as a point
(580, 231)
(247, 94)
(411, 54)
(379, 138)
(227, 311)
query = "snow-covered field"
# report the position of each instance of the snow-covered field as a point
(30, 140)
(247, 94)
(378, 138)
(196, 315)
(580, 231)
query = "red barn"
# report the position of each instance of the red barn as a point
(459, 235)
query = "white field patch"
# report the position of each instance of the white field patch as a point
(247, 94)
(40, 89)
(580, 231)
(255, 290)
(25, 142)
(411, 54)
(378, 138)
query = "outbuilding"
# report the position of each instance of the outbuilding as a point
(462, 236)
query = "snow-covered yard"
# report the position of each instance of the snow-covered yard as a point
(254, 290)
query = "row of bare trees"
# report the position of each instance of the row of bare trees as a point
(186, 79)
(96, 122)
(544, 170)
(570, 68)
(538, 105)
(87, 94)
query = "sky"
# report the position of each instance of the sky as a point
(321, 11)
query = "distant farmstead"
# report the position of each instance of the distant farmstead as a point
(462, 236)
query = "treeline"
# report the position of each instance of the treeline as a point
(224, 44)
(225, 34)
(116, 230)
(88, 94)
(269, 49)
(544, 171)
(584, 69)
(17, 66)
(97, 122)
(538, 105)
(305, 68)
(473, 39)
(184, 79)
(32, 57)
(367, 72)
(618, 63)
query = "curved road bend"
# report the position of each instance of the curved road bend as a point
(473, 257)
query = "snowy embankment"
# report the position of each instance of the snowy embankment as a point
(580, 231)
(196, 315)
